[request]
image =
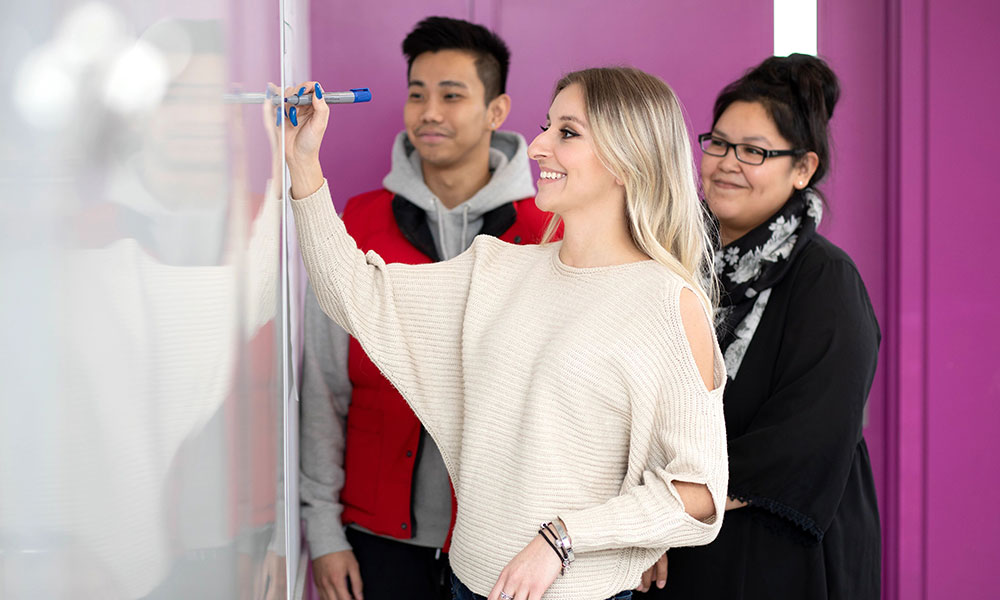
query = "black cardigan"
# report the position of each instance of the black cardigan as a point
(794, 417)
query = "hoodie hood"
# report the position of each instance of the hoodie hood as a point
(453, 229)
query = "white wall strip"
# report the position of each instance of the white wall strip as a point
(795, 28)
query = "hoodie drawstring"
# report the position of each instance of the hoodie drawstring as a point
(465, 227)
(440, 220)
(445, 255)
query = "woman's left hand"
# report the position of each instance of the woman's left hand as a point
(529, 574)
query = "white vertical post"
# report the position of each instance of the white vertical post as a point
(795, 27)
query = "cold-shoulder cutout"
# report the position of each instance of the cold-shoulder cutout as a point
(700, 336)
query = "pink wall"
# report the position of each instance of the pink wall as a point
(852, 40)
(923, 73)
(357, 45)
(663, 38)
(905, 543)
(963, 280)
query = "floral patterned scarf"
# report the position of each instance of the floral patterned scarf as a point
(749, 267)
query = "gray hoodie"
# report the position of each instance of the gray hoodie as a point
(326, 387)
(454, 229)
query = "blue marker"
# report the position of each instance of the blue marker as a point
(351, 97)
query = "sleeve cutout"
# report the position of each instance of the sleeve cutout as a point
(700, 338)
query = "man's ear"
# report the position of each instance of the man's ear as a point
(497, 111)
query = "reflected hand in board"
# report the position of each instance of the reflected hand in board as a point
(269, 115)
(271, 580)
(269, 112)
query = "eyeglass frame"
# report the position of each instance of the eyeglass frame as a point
(764, 151)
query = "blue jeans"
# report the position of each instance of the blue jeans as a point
(460, 592)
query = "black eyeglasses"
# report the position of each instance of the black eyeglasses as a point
(745, 153)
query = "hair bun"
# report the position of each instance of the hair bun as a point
(800, 78)
(815, 82)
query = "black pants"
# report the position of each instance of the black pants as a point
(393, 570)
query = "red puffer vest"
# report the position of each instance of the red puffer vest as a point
(383, 434)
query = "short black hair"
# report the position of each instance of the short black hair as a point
(799, 93)
(442, 33)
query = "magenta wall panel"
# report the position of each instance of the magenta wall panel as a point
(359, 45)
(852, 40)
(963, 380)
(664, 38)
(906, 567)
(919, 78)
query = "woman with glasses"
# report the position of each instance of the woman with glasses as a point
(800, 342)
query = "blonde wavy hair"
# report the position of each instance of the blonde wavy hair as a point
(640, 136)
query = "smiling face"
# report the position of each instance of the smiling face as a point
(447, 117)
(572, 176)
(743, 196)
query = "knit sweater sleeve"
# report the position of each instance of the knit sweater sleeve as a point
(408, 318)
(678, 436)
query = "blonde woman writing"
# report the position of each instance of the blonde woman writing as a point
(574, 388)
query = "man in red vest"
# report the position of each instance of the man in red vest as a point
(454, 176)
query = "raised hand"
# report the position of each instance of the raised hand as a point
(304, 129)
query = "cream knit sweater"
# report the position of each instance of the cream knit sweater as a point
(550, 390)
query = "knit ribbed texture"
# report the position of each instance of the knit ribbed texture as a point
(550, 390)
